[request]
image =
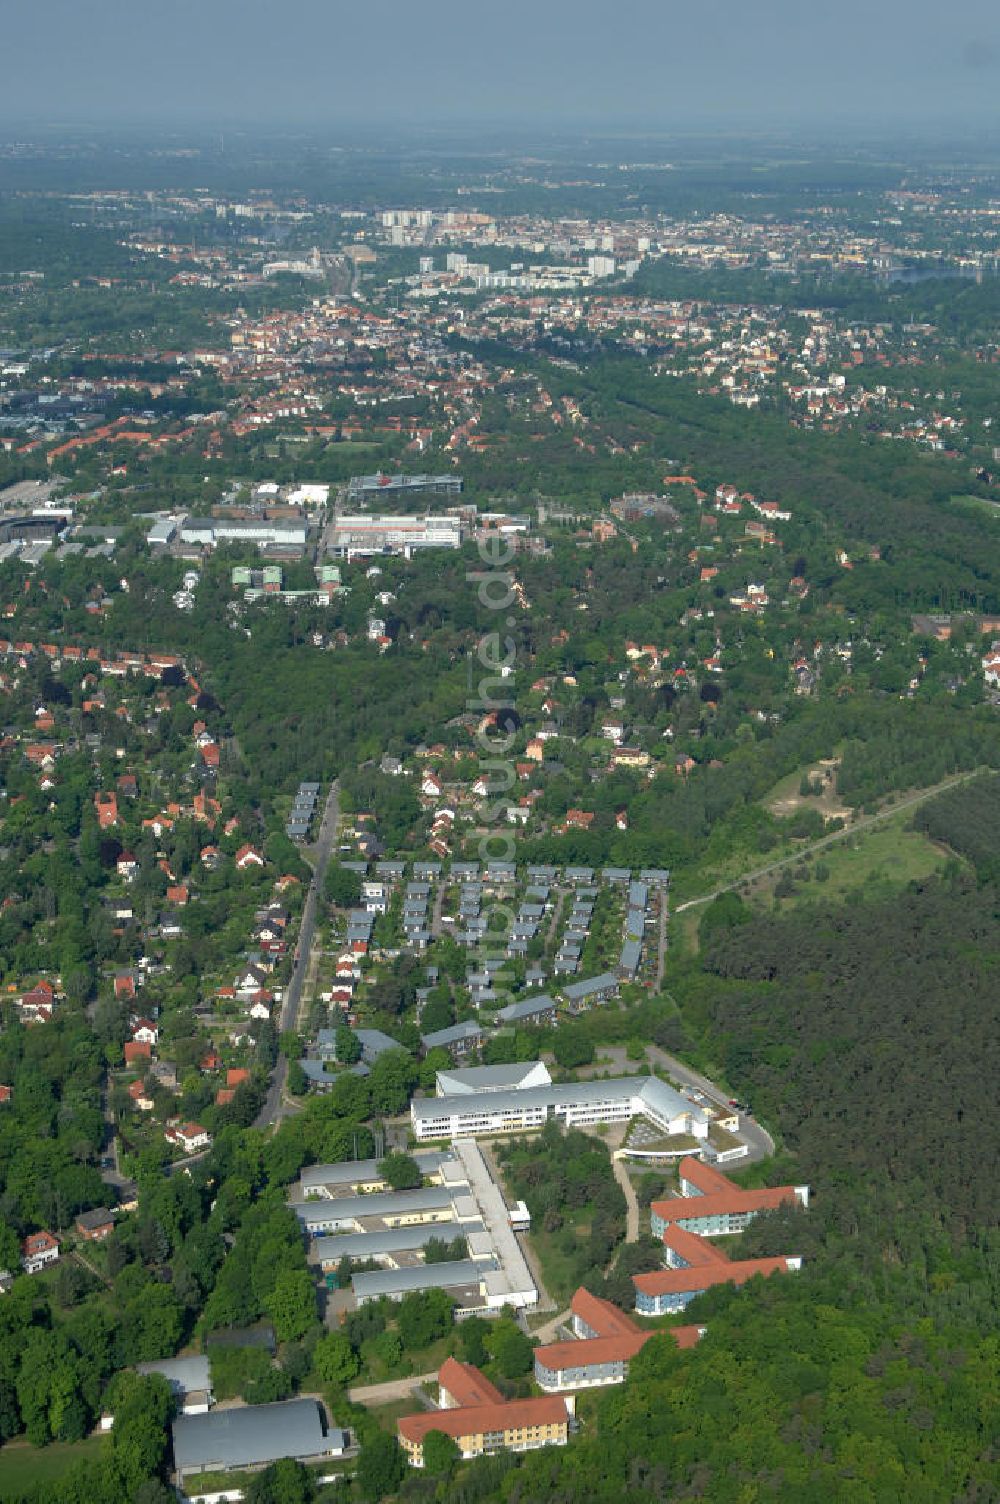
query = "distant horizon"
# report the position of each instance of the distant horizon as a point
(484, 135)
(646, 65)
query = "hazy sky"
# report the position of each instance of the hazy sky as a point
(604, 62)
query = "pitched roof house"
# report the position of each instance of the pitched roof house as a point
(607, 1339)
(478, 1419)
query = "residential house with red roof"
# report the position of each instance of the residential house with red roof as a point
(38, 1250)
(140, 1096)
(188, 1136)
(106, 805)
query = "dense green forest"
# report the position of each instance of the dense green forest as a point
(968, 819)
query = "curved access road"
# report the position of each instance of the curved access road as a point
(758, 1139)
(273, 1108)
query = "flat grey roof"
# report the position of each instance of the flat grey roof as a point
(527, 1008)
(631, 952)
(388, 1240)
(182, 1374)
(484, 1078)
(359, 1171)
(606, 981)
(378, 1204)
(249, 1435)
(448, 1276)
(452, 1035)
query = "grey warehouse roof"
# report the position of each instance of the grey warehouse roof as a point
(183, 1374)
(420, 1277)
(358, 1171)
(252, 1434)
(378, 1204)
(388, 1240)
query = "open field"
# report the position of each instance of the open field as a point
(891, 812)
(376, 1371)
(23, 1466)
(884, 857)
(388, 1415)
(981, 504)
(559, 1263)
(729, 871)
(785, 799)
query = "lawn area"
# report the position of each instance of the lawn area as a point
(981, 504)
(23, 1466)
(884, 857)
(559, 1262)
(376, 1371)
(213, 1483)
(785, 798)
(387, 1415)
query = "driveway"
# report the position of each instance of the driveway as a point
(614, 1058)
(391, 1390)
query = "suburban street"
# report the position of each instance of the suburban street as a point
(273, 1108)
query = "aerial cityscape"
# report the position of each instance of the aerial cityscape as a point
(499, 764)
